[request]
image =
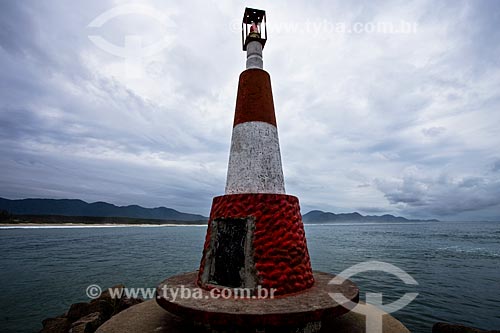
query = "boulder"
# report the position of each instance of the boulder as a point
(56, 325)
(456, 328)
(106, 295)
(126, 303)
(77, 311)
(103, 307)
(87, 317)
(87, 324)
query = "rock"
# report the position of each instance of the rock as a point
(87, 317)
(127, 303)
(56, 325)
(106, 295)
(115, 304)
(87, 324)
(455, 328)
(77, 311)
(103, 307)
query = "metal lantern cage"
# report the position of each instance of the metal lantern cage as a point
(253, 19)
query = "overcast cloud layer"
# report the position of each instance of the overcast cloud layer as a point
(401, 123)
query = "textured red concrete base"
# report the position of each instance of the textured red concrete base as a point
(311, 305)
(280, 249)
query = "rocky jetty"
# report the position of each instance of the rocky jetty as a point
(456, 328)
(86, 317)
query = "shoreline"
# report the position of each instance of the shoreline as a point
(62, 221)
(63, 225)
(89, 225)
(67, 225)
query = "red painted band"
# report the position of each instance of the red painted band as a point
(255, 98)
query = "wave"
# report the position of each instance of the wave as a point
(475, 251)
(362, 223)
(468, 236)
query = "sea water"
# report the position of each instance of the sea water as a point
(456, 264)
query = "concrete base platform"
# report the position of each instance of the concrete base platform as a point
(149, 317)
(293, 311)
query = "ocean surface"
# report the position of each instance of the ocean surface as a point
(457, 266)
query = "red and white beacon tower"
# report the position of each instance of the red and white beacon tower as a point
(255, 237)
(255, 240)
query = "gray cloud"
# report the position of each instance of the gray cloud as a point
(433, 131)
(440, 195)
(496, 166)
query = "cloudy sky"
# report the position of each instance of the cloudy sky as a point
(382, 107)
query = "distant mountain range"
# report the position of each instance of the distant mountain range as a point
(73, 207)
(318, 216)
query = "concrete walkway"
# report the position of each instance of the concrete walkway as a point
(148, 317)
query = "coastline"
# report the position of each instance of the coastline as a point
(62, 221)
(89, 225)
(63, 225)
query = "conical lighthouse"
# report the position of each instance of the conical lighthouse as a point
(255, 159)
(255, 272)
(256, 237)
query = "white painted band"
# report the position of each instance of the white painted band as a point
(254, 55)
(255, 160)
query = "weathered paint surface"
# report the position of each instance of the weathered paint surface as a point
(255, 160)
(274, 252)
(255, 98)
(280, 250)
(229, 260)
(254, 55)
